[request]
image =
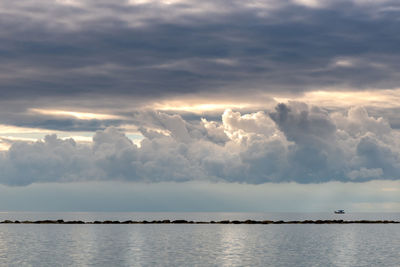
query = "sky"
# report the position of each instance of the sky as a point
(183, 105)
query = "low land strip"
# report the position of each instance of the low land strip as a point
(203, 222)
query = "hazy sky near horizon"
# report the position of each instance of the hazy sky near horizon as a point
(251, 94)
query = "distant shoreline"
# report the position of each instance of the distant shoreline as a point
(203, 222)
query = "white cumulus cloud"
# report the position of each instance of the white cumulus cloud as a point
(294, 142)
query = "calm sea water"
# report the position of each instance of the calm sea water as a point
(197, 245)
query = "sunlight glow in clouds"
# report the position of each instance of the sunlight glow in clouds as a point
(197, 108)
(390, 189)
(6, 141)
(165, 2)
(309, 3)
(12, 134)
(9, 129)
(332, 98)
(76, 3)
(78, 115)
(344, 63)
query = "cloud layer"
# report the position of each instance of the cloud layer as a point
(293, 142)
(149, 48)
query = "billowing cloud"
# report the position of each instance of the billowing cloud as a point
(293, 142)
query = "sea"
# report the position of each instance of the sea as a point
(198, 244)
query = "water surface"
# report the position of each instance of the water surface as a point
(198, 245)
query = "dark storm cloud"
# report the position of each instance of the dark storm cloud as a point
(150, 50)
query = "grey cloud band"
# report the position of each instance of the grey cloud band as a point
(153, 49)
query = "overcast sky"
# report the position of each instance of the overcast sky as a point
(263, 96)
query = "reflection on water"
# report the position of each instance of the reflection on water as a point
(199, 245)
(233, 244)
(344, 246)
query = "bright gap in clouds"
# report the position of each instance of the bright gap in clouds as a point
(385, 98)
(309, 3)
(10, 134)
(6, 141)
(197, 108)
(324, 98)
(165, 2)
(74, 3)
(75, 114)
